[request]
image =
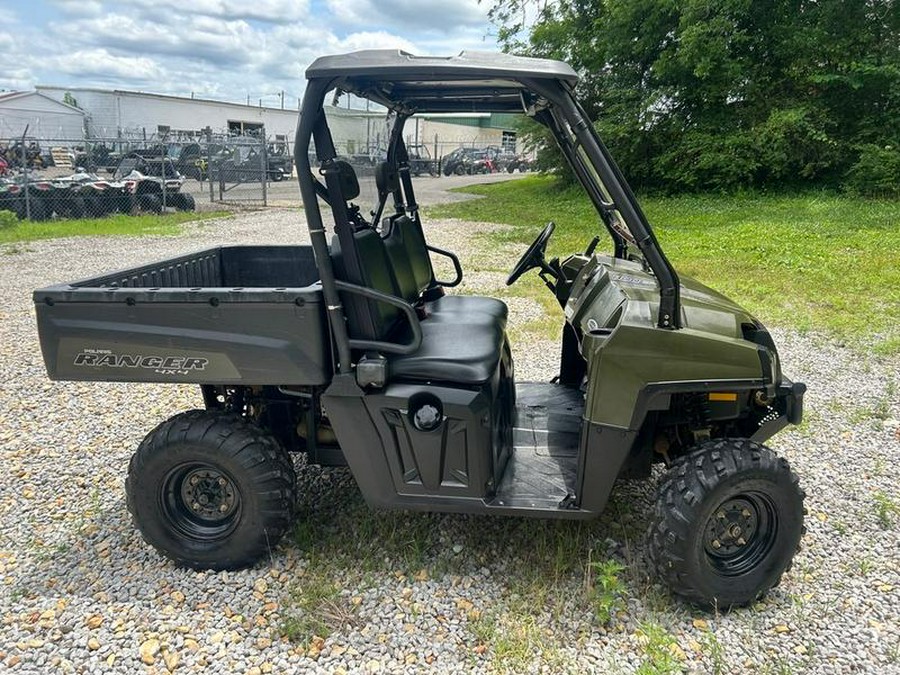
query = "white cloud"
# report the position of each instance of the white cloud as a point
(99, 63)
(224, 49)
(201, 38)
(80, 7)
(438, 16)
(373, 40)
(269, 11)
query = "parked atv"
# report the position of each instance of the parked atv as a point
(38, 198)
(189, 159)
(23, 152)
(457, 161)
(9, 197)
(280, 162)
(101, 196)
(246, 164)
(153, 183)
(420, 161)
(98, 157)
(511, 162)
(350, 351)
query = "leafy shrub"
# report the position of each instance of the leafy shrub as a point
(7, 219)
(876, 172)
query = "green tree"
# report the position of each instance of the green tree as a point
(694, 95)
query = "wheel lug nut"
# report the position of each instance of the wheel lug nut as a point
(720, 515)
(222, 482)
(195, 480)
(716, 543)
(195, 506)
(741, 541)
(745, 513)
(223, 508)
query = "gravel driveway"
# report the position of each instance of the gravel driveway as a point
(81, 592)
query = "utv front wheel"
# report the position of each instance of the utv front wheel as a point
(211, 490)
(727, 523)
(150, 202)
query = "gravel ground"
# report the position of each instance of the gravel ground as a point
(81, 592)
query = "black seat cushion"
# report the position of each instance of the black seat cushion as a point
(450, 352)
(468, 309)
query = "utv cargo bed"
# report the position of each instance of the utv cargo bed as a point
(247, 315)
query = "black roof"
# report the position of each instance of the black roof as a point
(471, 81)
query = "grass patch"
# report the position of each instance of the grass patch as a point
(564, 569)
(118, 225)
(809, 261)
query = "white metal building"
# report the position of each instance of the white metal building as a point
(115, 113)
(66, 114)
(42, 115)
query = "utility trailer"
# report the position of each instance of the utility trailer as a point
(351, 350)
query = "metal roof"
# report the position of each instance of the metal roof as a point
(471, 81)
(398, 64)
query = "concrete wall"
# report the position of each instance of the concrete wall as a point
(352, 129)
(448, 136)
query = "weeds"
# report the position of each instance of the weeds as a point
(659, 650)
(715, 652)
(605, 590)
(886, 509)
(318, 609)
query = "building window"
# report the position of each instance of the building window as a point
(238, 128)
(509, 141)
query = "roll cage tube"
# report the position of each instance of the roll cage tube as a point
(560, 94)
(310, 189)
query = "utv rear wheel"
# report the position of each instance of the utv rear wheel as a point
(183, 201)
(211, 490)
(152, 203)
(39, 209)
(727, 523)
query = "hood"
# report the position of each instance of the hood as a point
(702, 308)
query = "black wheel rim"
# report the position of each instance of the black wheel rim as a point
(201, 501)
(740, 533)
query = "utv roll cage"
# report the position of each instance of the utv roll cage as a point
(470, 82)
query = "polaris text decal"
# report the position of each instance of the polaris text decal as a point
(163, 365)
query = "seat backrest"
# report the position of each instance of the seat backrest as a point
(408, 254)
(368, 319)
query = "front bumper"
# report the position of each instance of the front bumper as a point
(787, 408)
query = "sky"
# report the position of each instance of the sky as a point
(220, 49)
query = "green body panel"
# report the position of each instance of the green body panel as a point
(614, 304)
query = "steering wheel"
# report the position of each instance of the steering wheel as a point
(534, 256)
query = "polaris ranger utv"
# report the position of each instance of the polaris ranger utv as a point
(350, 350)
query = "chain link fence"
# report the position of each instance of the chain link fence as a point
(133, 173)
(44, 178)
